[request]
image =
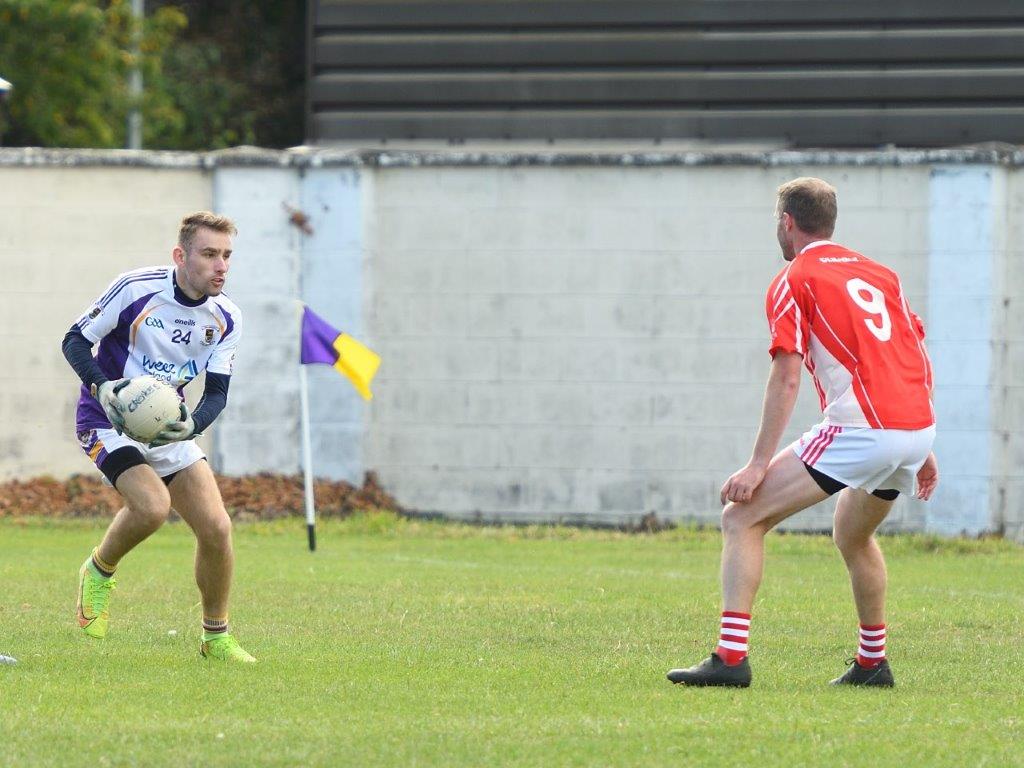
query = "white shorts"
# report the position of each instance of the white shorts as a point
(871, 459)
(165, 460)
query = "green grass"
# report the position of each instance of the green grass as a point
(405, 643)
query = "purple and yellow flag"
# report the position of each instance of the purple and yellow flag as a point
(324, 344)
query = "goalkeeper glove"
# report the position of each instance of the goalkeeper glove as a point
(106, 395)
(176, 430)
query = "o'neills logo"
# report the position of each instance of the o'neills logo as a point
(140, 398)
(179, 321)
(837, 259)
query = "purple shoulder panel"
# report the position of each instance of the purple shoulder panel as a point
(125, 282)
(230, 324)
(113, 352)
(111, 357)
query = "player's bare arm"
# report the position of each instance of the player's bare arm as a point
(927, 477)
(928, 474)
(779, 400)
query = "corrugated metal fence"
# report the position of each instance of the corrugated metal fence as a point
(807, 72)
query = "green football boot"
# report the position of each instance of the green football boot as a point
(225, 648)
(93, 598)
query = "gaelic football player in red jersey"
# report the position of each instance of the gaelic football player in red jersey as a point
(845, 318)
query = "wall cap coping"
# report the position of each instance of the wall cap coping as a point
(318, 157)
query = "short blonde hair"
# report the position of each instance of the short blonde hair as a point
(812, 204)
(199, 220)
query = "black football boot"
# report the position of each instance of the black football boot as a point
(879, 676)
(713, 671)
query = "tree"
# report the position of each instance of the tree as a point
(237, 75)
(216, 73)
(68, 61)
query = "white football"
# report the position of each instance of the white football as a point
(149, 406)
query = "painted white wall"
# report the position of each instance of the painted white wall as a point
(259, 430)
(276, 268)
(1007, 487)
(577, 342)
(65, 233)
(962, 296)
(590, 343)
(335, 273)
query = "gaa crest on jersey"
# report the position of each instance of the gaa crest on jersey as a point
(209, 335)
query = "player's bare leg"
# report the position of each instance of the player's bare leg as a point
(858, 514)
(786, 489)
(147, 506)
(196, 497)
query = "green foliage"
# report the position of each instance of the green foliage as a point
(68, 61)
(238, 74)
(211, 112)
(215, 74)
(160, 110)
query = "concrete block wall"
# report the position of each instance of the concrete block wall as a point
(590, 343)
(260, 428)
(575, 338)
(1007, 496)
(76, 219)
(66, 232)
(335, 279)
(963, 295)
(279, 266)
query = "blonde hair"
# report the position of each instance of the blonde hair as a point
(812, 204)
(203, 219)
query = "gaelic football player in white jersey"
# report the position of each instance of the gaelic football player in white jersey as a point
(845, 318)
(170, 322)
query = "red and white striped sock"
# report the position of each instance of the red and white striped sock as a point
(732, 642)
(871, 651)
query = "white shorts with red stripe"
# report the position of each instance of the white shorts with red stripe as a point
(871, 459)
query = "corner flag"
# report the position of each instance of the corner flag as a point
(324, 344)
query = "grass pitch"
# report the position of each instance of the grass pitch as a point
(410, 643)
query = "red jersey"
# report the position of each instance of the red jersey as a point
(847, 316)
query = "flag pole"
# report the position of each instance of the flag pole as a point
(307, 458)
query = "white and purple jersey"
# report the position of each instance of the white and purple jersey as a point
(145, 325)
